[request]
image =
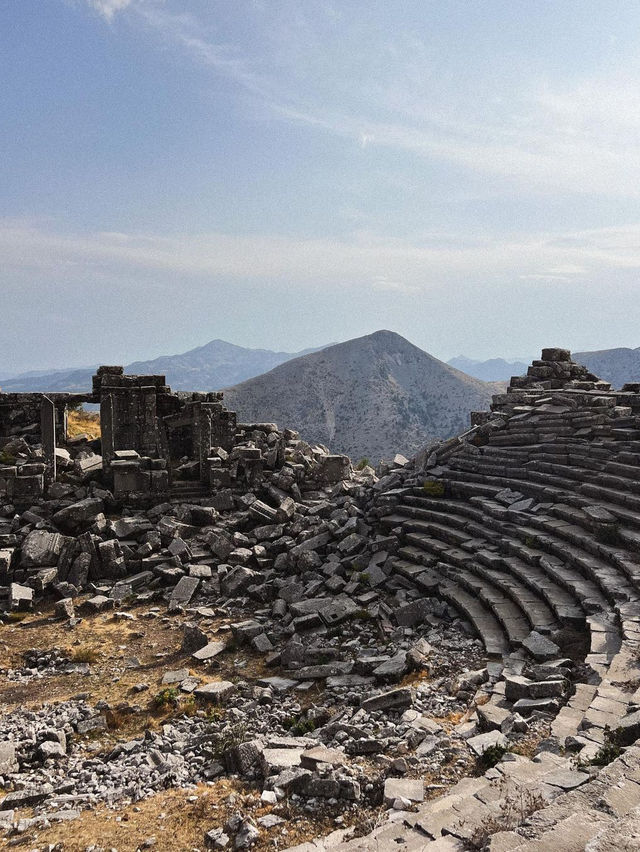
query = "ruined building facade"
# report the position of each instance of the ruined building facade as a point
(150, 435)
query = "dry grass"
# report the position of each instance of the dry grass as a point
(83, 422)
(178, 824)
(179, 819)
(85, 654)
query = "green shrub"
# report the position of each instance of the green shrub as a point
(605, 754)
(167, 697)
(298, 726)
(490, 756)
(362, 615)
(433, 487)
(364, 462)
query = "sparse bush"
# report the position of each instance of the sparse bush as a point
(222, 741)
(433, 487)
(189, 706)
(84, 654)
(214, 713)
(167, 697)
(364, 462)
(515, 808)
(364, 577)
(530, 541)
(7, 458)
(490, 757)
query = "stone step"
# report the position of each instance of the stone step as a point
(546, 795)
(611, 495)
(434, 546)
(485, 624)
(561, 601)
(508, 613)
(533, 606)
(617, 483)
(512, 542)
(515, 606)
(460, 484)
(539, 615)
(566, 541)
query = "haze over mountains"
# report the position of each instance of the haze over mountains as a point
(493, 370)
(208, 367)
(369, 397)
(372, 396)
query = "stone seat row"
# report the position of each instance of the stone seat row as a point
(520, 805)
(554, 585)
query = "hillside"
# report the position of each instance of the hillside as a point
(373, 396)
(614, 365)
(208, 367)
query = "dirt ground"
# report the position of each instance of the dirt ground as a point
(123, 653)
(177, 818)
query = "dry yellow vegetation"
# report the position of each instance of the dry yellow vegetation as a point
(81, 422)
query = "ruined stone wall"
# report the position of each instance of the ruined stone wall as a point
(20, 415)
(129, 410)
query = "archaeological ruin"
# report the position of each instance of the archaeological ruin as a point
(442, 654)
(154, 443)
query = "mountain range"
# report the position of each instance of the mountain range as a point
(493, 370)
(208, 367)
(370, 397)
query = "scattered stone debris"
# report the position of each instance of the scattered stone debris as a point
(453, 641)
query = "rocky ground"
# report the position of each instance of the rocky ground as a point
(239, 682)
(129, 712)
(248, 671)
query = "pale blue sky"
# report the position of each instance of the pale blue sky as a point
(284, 174)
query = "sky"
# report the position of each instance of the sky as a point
(282, 174)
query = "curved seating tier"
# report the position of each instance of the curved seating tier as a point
(540, 535)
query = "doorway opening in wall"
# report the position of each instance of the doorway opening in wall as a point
(181, 452)
(83, 419)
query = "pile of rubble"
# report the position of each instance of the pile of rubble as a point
(470, 613)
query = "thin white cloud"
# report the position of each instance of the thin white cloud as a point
(364, 261)
(109, 8)
(576, 136)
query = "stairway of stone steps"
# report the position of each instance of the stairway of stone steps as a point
(528, 577)
(542, 805)
(529, 526)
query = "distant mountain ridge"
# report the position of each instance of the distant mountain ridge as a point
(614, 365)
(493, 370)
(370, 397)
(206, 368)
(617, 366)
